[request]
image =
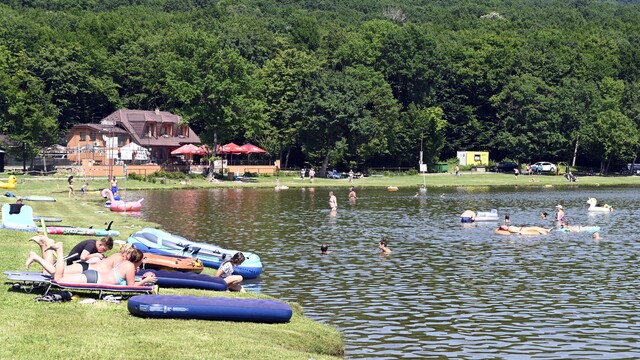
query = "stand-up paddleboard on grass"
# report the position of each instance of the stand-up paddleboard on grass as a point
(38, 198)
(46, 219)
(70, 230)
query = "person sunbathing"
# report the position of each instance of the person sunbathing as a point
(522, 230)
(77, 267)
(118, 269)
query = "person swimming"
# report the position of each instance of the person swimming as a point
(384, 248)
(324, 249)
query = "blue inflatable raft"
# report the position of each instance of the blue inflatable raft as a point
(210, 308)
(176, 279)
(164, 243)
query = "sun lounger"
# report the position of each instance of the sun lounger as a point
(32, 280)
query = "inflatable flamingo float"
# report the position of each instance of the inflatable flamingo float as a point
(119, 205)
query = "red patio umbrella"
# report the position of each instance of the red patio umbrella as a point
(188, 149)
(232, 148)
(252, 149)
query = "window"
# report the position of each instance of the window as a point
(83, 136)
(149, 130)
(92, 136)
(122, 139)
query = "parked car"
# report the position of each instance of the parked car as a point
(504, 167)
(630, 169)
(544, 166)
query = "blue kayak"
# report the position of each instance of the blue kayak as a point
(164, 243)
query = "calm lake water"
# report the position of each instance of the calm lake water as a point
(448, 290)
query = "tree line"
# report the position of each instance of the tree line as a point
(352, 83)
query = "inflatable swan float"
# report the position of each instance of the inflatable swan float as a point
(119, 205)
(592, 206)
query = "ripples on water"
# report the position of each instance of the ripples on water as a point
(448, 290)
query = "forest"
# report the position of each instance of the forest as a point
(335, 83)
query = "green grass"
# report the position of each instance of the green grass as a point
(102, 330)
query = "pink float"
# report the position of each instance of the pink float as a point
(119, 205)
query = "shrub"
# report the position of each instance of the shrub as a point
(178, 175)
(135, 176)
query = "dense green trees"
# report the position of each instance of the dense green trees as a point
(335, 83)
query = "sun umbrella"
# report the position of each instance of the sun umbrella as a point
(188, 149)
(252, 149)
(232, 148)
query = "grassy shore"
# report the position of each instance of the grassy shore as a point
(58, 185)
(103, 330)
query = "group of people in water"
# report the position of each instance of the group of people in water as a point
(469, 216)
(86, 263)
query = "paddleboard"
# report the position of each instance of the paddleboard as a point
(63, 230)
(47, 219)
(38, 198)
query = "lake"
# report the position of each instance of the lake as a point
(448, 290)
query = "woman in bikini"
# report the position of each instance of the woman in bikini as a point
(118, 269)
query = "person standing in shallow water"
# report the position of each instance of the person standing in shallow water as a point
(560, 213)
(333, 202)
(352, 195)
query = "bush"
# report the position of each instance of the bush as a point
(135, 176)
(178, 175)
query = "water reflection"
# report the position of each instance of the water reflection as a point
(448, 289)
